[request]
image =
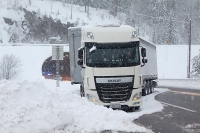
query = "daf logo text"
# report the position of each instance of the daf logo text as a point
(114, 80)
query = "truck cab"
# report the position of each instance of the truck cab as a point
(106, 62)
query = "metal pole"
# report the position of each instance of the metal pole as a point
(57, 67)
(190, 36)
(71, 9)
(88, 8)
(51, 6)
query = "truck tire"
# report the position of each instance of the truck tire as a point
(82, 92)
(143, 92)
(130, 109)
(151, 86)
(144, 89)
(147, 87)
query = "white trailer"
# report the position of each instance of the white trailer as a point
(109, 63)
(149, 70)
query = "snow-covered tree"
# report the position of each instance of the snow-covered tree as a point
(9, 66)
(196, 66)
(171, 32)
(114, 7)
(63, 3)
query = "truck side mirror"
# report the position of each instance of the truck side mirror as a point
(80, 62)
(80, 53)
(143, 51)
(144, 60)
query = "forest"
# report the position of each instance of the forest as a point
(162, 21)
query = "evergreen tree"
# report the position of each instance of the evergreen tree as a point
(171, 33)
(114, 7)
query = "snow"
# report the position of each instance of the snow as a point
(30, 103)
(58, 11)
(172, 60)
(40, 106)
(27, 55)
(93, 48)
(191, 128)
(180, 83)
(170, 64)
(9, 13)
(10, 9)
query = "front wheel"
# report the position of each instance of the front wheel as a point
(130, 109)
(82, 92)
(143, 92)
(144, 89)
(147, 87)
(137, 107)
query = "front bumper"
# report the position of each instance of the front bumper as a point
(130, 102)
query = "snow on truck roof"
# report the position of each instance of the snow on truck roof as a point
(101, 26)
(112, 26)
(112, 33)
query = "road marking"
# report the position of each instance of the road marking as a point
(178, 107)
(187, 93)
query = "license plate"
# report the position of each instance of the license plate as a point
(115, 105)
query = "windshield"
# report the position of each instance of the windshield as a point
(113, 55)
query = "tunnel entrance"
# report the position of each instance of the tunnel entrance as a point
(49, 68)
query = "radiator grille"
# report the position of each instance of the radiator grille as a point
(112, 92)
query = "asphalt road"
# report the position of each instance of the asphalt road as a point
(181, 112)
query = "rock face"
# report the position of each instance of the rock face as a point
(8, 21)
(43, 28)
(35, 29)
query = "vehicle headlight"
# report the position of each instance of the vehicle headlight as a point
(134, 34)
(92, 98)
(137, 96)
(90, 35)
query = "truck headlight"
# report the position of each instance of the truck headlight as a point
(92, 98)
(134, 34)
(137, 96)
(90, 35)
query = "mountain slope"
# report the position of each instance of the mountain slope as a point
(37, 21)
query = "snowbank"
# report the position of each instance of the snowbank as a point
(30, 103)
(180, 83)
(41, 107)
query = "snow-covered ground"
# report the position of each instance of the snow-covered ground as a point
(39, 106)
(30, 103)
(180, 83)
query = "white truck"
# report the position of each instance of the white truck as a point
(110, 66)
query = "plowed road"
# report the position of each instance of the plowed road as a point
(181, 112)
